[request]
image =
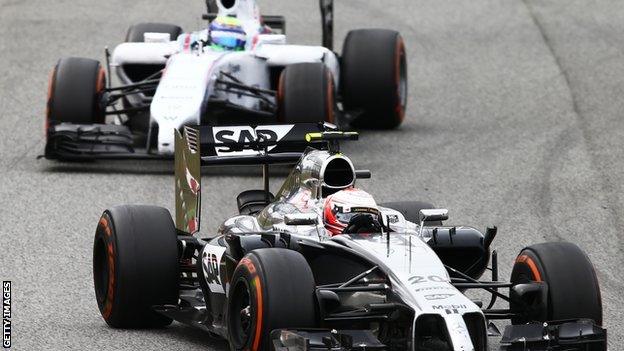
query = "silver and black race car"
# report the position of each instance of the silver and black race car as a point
(321, 266)
(238, 70)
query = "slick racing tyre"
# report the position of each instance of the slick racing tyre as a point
(411, 210)
(306, 94)
(374, 78)
(136, 33)
(573, 290)
(270, 289)
(75, 92)
(135, 265)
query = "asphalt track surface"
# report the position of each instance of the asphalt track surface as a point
(514, 119)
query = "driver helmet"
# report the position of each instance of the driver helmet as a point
(227, 33)
(342, 206)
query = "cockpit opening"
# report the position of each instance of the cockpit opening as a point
(228, 4)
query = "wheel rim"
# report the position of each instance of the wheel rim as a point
(241, 312)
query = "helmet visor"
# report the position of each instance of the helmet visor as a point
(345, 217)
(229, 40)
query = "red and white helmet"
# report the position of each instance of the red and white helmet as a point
(343, 205)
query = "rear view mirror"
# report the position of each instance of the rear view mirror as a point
(301, 219)
(440, 214)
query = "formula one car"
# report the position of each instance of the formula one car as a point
(237, 71)
(321, 266)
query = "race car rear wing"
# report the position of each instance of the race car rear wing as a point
(263, 145)
(233, 144)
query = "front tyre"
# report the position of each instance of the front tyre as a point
(306, 94)
(374, 78)
(270, 289)
(573, 290)
(135, 265)
(75, 92)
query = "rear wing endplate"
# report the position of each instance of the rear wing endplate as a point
(187, 181)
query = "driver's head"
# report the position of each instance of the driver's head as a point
(345, 210)
(227, 33)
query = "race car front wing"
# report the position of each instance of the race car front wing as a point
(282, 143)
(570, 335)
(325, 339)
(92, 141)
(579, 335)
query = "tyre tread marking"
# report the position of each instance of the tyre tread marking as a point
(256, 342)
(400, 53)
(110, 253)
(256, 284)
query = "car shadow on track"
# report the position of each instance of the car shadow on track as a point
(190, 335)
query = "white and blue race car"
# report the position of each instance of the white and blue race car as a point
(240, 70)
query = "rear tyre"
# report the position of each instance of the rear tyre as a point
(270, 289)
(573, 290)
(135, 266)
(136, 33)
(75, 92)
(306, 94)
(374, 78)
(411, 210)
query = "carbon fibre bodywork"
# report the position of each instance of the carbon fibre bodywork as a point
(401, 288)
